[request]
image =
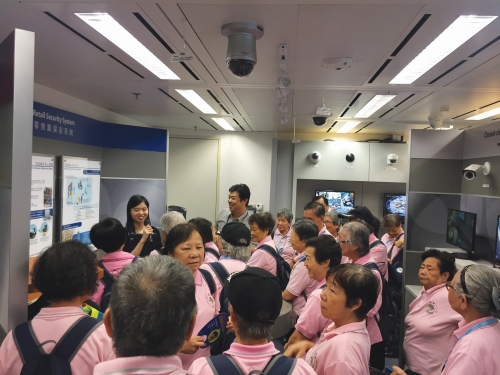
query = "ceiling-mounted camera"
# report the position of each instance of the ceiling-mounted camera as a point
(241, 54)
(314, 157)
(319, 120)
(470, 172)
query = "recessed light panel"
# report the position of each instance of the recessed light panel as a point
(375, 103)
(197, 101)
(223, 123)
(484, 115)
(348, 126)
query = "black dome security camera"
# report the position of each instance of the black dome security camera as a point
(240, 68)
(319, 120)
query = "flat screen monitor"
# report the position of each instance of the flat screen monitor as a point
(394, 204)
(339, 201)
(461, 229)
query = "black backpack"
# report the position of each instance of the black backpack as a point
(388, 313)
(226, 365)
(37, 362)
(108, 280)
(213, 252)
(282, 267)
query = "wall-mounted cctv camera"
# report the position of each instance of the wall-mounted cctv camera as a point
(319, 120)
(241, 54)
(314, 157)
(392, 159)
(470, 172)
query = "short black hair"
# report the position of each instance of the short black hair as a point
(134, 201)
(264, 221)
(179, 234)
(204, 228)
(66, 270)
(242, 190)
(305, 229)
(392, 220)
(108, 235)
(318, 209)
(359, 284)
(316, 198)
(446, 261)
(325, 248)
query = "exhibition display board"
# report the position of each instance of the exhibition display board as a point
(42, 203)
(80, 192)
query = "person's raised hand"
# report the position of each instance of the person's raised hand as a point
(299, 349)
(192, 345)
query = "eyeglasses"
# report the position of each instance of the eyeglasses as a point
(449, 286)
(346, 241)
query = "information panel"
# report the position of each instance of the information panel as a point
(81, 182)
(42, 203)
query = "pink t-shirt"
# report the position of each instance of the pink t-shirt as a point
(388, 242)
(379, 254)
(299, 285)
(283, 245)
(250, 358)
(477, 352)
(371, 323)
(209, 257)
(207, 309)
(311, 322)
(324, 232)
(114, 263)
(51, 323)
(262, 259)
(141, 365)
(344, 350)
(429, 331)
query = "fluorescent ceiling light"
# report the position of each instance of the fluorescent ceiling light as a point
(348, 126)
(197, 101)
(375, 103)
(460, 31)
(484, 115)
(223, 123)
(116, 33)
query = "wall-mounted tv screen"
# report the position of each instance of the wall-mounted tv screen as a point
(394, 204)
(339, 201)
(461, 229)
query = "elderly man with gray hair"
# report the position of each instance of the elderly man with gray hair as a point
(152, 312)
(284, 219)
(354, 242)
(168, 221)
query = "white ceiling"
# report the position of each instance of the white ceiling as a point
(368, 31)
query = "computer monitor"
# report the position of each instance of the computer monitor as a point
(461, 229)
(394, 204)
(339, 201)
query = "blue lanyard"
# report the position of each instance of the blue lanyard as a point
(487, 323)
(227, 220)
(280, 250)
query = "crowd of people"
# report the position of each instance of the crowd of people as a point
(162, 287)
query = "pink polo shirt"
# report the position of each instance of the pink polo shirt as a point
(207, 309)
(388, 242)
(51, 323)
(250, 358)
(371, 323)
(324, 231)
(209, 257)
(141, 365)
(231, 266)
(379, 254)
(311, 322)
(261, 258)
(299, 285)
(344, 350)
(283, 245)
(114, 263)
(429, 331)
(476, 353)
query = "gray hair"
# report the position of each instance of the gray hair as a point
(334, 216)
(152, 305)
(237, 252)
(170, 220)
(251, 330)
(358, 235)
(287, 213)
(480, 281)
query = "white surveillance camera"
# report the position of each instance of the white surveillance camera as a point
(392, 159)
(470, 172)
(314, 157)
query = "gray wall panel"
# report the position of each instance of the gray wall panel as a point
(133, 164)
(438, 175)
(284, 175)
(428, 144)
(53, 147)
(482, 141)
(475, 186)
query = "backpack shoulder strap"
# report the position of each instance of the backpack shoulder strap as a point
(220, 271)
(376, 243)
(135, 259)
(107, 278)
(389, 253)
(213, 252)
(74, 337)
(372, 266)
(26, 342)
(209, 279)
(224, 365)
(280, 365)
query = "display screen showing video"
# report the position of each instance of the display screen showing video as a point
(339, 201)
(395, 204)
(497, 243)
(461, 229)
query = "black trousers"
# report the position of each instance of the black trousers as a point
(377, 356)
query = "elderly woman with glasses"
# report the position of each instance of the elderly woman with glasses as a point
(474, 294)
(431, 321)
(284, 219)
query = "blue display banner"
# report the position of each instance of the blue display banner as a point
(72, 226)
(54, 123)
(39, 214)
